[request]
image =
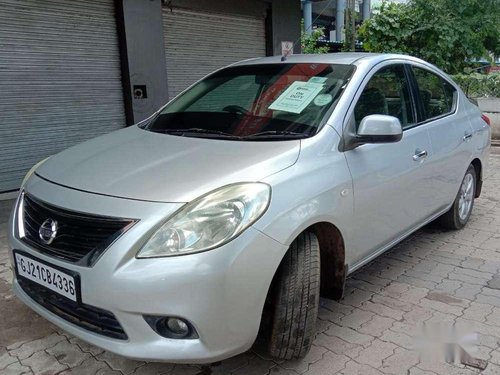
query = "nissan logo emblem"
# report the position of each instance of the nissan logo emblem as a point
(48, 231)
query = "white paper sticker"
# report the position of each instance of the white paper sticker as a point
(296, 97)
(323, 99)
(317, 79)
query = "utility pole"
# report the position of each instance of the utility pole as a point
(350, 26)
(307, 11)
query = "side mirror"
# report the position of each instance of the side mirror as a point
(379, 129)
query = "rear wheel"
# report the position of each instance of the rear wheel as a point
(460, 212)
(296, 299)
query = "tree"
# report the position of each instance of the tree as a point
(309, 42)
(447, 33)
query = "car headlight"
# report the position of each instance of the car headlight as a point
(32, 170)
(209, 221)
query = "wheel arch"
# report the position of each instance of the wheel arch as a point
(332, 252)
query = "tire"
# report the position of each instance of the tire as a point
(455, 218)
(296, 299)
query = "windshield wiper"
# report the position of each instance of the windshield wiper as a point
(217, 133)
(276, 133)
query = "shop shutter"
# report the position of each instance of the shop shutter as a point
(197, 43)
(60, 79)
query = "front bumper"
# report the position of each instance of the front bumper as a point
(221, 292)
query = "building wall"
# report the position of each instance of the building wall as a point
(143, 32)
(286, 17)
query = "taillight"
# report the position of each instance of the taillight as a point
(486, 119)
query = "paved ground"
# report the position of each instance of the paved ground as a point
(432, 277)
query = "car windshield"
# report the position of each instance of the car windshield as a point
(256, 102)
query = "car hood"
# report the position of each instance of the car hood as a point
(138, 164)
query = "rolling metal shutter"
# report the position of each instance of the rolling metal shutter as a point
(197, 43)
(60, 79)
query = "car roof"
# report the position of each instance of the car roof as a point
(329, 58)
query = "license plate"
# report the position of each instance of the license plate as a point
(54, 279)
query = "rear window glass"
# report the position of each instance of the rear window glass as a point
(270, 99)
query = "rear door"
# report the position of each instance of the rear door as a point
(390, 181)
(449, 130)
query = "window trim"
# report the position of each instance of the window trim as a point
(418, 99)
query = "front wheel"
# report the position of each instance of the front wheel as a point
(296, 299)
(460, 212)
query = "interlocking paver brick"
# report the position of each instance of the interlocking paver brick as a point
(468, 291)
(257, 366)
(400, 362)
(322, 325)
(68, 354)
(302, 365)
(116, 362)
(400, 339)
(477, 311)
(338, 346)
(220, 368)
(356, 318)
(382, 310)
(27, 349)
(376, 326)
(88, 367)
(491, 369)
(85, 347)
(449, 286)
(331, 363)
(355, 297)
(376, 353)
(349, 335)
(354, 368)
(43, 363)
(6, 359)
(16, 369)
(394, 303)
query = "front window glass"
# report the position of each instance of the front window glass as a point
(256, 102)
(387, 93)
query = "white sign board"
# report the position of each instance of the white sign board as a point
(286, 48)
(296, 97)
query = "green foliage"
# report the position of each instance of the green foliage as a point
(447, 33)
(309, 42)
(477, 85)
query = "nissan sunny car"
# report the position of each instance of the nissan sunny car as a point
(225, 215)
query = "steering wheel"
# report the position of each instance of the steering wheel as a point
(236, 109)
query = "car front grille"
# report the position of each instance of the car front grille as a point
(89, 317)
(80, 239)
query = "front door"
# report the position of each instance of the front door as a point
(389, 180)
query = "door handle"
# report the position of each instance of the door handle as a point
(467, 136)
(419, 155)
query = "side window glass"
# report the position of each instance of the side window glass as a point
(387, 93)
(438, 96)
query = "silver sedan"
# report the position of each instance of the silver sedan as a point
(227, 213)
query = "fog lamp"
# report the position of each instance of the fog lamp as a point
(177, 327)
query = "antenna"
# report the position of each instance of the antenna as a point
(284, 57)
